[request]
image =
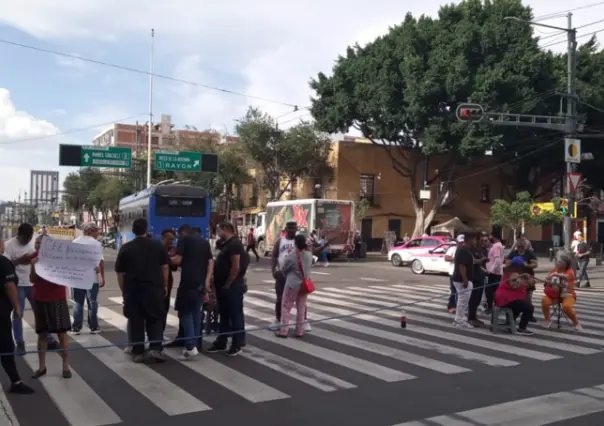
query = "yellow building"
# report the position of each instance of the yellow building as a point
(364, 170)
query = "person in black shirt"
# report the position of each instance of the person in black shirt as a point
(229, 273)
(194, 255)
(583, 251)
(142, 267)
(9, 302)
(463, 274)
(481, 256)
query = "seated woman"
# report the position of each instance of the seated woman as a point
(511, 294)
(559, 287)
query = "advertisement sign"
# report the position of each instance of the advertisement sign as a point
(333, 221)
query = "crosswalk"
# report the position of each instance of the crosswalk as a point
(346, 351)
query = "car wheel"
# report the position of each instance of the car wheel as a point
(262, 247)
(396, 260)
(417, 267)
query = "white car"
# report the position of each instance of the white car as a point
(404, 254)
(432, 261)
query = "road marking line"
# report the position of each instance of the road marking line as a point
(320, 273)
(377, 280)
(297, 371)
(364, 367)
(79, 404)
(401, 338)
(236, 382)
(449, 421)
(269, 281)
(164, 394)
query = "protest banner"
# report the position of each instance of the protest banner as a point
(68, 264)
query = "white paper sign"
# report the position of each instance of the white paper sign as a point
(68, 264)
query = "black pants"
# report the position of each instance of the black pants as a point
(475, 298)
(232, 321)
(279, 288)
(493, 283)
(253, 249)
(145, 314)
(522, 307)
(7, 346)
(583, 271)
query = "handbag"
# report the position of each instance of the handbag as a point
(307, 285)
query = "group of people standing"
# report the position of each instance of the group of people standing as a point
(480, 270)
(20, 282)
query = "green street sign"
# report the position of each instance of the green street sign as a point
(178, 161)
(113, 157)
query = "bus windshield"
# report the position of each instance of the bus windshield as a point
(167, 206)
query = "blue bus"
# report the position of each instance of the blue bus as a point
(164, 206)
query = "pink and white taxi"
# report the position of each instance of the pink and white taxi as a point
(404, 254)
(433, 261)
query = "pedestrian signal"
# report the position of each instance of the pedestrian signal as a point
(470, 112)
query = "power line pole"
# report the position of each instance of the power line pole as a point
(571, 122)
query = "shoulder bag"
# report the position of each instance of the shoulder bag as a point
(307, 285)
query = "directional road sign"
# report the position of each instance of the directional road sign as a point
(178, 161)
(113, 157)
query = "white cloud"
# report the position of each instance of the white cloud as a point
(23, 146)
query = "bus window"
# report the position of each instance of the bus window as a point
(180, 207)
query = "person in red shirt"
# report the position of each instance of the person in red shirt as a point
(511, 293)
(51, 312)
(251, 244)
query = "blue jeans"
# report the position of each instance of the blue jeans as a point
(91, 297)
(24, 293)
(191, 323)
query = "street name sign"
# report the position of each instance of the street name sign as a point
(178, 161)
(112, 157)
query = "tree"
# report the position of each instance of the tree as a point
(74, 193)
(360, 210)
(401, 90)
(301, 151)
(511, 214)
(106, 196)
(30, 216)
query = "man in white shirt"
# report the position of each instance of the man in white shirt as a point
(450, 257)
(19, 251)
(91, 235)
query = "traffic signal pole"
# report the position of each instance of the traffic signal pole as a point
(566, 124)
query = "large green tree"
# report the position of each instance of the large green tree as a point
(401, 90)
(298, 152)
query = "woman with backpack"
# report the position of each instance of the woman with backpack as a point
(559, 288)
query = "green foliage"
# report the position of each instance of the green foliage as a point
(107, 194)
(360, 209)
(511, 214)
(30, 216)
(298, 152)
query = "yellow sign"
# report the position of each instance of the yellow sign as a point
(538, 208)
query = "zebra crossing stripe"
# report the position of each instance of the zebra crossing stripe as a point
(375, 280)
(236, 382)
(78, 403)
(164, 394)
(404, 339)
(421, 309)
(365, 367)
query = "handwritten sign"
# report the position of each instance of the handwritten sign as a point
(68, 264)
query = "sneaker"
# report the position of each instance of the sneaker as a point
(463, 324)
(452, 310)
(547, 324)
(234, 351)
(579, 328)
(20, 350)
(307, 327)
(21, 389)
(476, 323)
(587, 285)
(156, 356)
(95, 331)
(188, 355)
(525, 332)
(76, 331)
(275, 326)
(326, 264)
(53, 346)
(214, 349)
(128, 350)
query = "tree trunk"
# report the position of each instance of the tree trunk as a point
(423, 218)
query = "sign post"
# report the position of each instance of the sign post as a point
(178, 161)
(113, 157)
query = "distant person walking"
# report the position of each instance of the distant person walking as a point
(583, 253)
(142, 268)
(251, 244)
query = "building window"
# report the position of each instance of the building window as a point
(317, 188)
(485, 194)
(367, 191)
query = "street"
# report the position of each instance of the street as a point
(354, 370)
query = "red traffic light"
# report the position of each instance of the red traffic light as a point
(470, 112)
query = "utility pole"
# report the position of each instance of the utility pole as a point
(150, 130)
(566, 124)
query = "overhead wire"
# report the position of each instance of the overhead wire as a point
(590, 34)
(563, 12)
(147, 73)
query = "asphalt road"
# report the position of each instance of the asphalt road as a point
(361, 370)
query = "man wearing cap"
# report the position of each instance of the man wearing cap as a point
(530, 261)
(450, 257)
(90, 237)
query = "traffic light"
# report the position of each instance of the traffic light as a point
(470, 112)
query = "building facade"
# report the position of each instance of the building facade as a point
(43, 187)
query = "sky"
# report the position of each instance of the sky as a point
(266, 51)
